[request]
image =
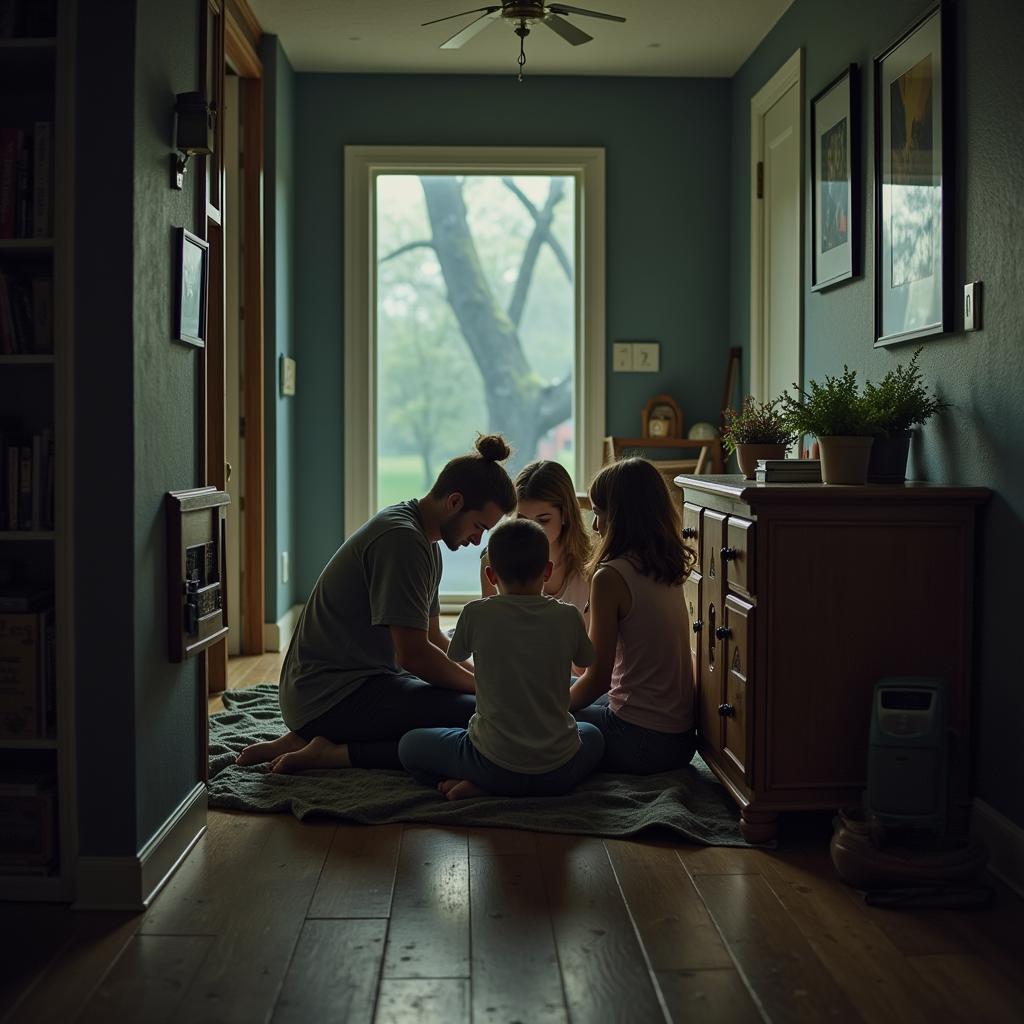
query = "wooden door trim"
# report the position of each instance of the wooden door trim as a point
(240, 45)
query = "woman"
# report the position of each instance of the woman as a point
(546, 495)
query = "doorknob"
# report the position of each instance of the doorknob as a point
(227, 471)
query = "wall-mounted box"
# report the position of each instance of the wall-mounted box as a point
(196, 570)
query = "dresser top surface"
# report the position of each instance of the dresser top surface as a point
(737, 488)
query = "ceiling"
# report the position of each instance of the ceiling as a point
(676, 38)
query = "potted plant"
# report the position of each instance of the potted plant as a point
(841, 419)
(897, 403)
(758, 430)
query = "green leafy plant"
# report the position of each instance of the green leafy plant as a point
(835, 408)
(756, 423)
(900, 399)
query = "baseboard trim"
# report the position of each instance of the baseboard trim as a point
(278, 635)
(130, 883)
(1005, 842)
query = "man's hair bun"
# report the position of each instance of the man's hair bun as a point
(493, 447)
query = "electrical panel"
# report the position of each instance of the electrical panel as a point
(196, 570)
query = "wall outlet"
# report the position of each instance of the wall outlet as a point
(622, 357)
(284, 567)
(972, 306)
(646, 357)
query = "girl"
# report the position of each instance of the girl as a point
(639, 690)
(546, 495)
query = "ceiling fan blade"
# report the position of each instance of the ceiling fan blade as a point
(464, 35)
(570, 33)
(448, 17)
(566, 9)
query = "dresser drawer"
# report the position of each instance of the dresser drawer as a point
(738, 555)
(691, 530)
(712, 540)
(737, 707)
(694, 624)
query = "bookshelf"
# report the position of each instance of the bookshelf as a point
(36, 367)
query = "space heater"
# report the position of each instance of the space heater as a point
(908, 753)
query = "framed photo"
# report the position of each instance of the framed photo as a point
(913, 167)
(835, 206)
(190, 295)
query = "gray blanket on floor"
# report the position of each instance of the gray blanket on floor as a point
(690, 802)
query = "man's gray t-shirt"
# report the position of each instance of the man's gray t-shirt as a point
(386, 574)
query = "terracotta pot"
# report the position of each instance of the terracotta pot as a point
(748, 454)
(888, 463)
(844, 460)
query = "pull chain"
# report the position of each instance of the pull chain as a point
(522, 32)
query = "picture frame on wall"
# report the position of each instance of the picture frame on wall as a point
(835, 162)
(191, 288)
(913, 170)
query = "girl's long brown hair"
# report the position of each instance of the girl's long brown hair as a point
(550, 482)
(641, 521)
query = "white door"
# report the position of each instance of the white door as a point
(776, 232)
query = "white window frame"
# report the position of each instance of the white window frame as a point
(363, 164)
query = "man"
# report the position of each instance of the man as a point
(368, 661)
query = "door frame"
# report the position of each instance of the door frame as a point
(790, 74)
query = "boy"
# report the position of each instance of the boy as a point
(522, 741)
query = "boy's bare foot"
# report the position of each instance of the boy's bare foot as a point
(446, 785)
(258, 753)
(463, 789)
(319, 752)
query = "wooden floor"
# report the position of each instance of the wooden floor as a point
(272, 919)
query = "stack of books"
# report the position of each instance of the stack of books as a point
(788, 471)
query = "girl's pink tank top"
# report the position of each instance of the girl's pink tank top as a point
(652, 679)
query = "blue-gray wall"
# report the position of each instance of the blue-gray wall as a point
(982, 374)
(279, 268)
(136, 396)
(667, 158)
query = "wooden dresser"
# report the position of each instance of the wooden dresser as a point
(803, 598)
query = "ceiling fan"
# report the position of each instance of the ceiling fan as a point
(523, 14)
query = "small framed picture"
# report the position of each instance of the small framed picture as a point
(835, 206)
(190, 295)
(913, 165)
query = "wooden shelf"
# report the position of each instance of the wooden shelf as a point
(25, 244)
(27, 535)
(33, 887)
(33, 744)
(26, 359)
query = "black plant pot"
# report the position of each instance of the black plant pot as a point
(888, 463)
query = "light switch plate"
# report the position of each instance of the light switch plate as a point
(287, 375)
(646, 357)
(622, 357)
(972, 306)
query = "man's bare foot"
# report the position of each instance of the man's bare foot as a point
(447, 785)
(258, 753)
(319, 752)
(463, 789)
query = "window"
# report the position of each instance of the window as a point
(474, 302)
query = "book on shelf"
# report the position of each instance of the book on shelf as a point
(28, 819)
(8, 180)
(27, 675)
(781, 471)
(27, 481)
(42, 179)
(25, 597)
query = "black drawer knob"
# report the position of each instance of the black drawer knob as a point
(689, 533)
(726, 710)
(729, 554)
(722, 632)
(698, 625)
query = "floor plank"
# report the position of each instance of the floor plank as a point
(66, 983)
(784, 974)
(148, 981)
(429, 932)
(423, 1001)
(970, 989)
(514, 962)
(604, 973)
(673, 924)
(359, 876)
(490, 842)
(334, 973)
(714, 995)
(267, 889)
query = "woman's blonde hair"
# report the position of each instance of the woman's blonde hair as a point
(641, 521)
(550, 482)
